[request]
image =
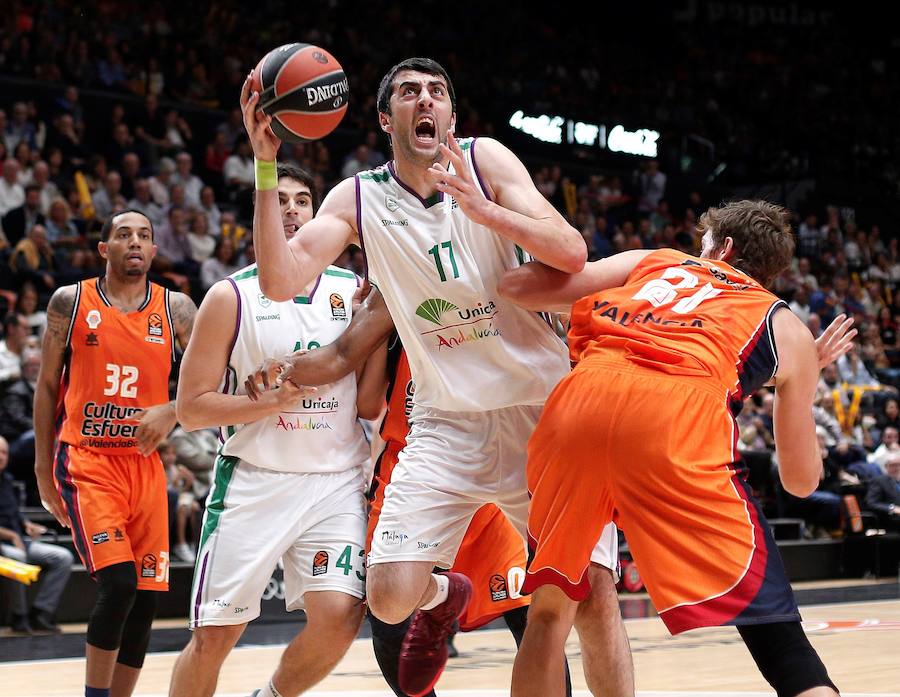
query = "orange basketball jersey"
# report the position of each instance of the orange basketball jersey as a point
(400, 392)
(684, 316)
(117, 363)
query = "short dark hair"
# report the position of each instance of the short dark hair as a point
(421, 65)
(107, 228)
(32, 187)
(298, 174)
(761, 233)
(11, 320)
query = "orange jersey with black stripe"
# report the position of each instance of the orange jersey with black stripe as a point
(684, 316)
(117, 363)
(395, 425)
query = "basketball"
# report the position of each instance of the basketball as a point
(304, 89)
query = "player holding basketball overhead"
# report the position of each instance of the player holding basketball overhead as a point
(440, 225)
(102, 400)
(289, 478)
(668, 347)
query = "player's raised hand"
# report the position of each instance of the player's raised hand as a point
(459, 183)
(263, 140)
(154, 425)
(265, 377)
(835, 341)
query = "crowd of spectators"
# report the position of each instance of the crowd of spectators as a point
(67, 163)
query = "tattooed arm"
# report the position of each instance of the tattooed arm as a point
(59, 317)
(156, 423)
(183, 313)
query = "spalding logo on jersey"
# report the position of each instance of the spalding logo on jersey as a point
(497, 586)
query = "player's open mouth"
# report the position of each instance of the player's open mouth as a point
(291, 228)
(135, 257)
(425, 130)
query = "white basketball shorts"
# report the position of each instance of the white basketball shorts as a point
(315, 523)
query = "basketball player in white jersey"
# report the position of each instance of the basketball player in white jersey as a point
(439, 226)
(289, 479)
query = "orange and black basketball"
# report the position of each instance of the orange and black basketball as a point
(304, 89)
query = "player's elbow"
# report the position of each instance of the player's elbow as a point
(800, 481)
(369, 409)
(575, 258)
(800, 489)
(187, 417)
(273, 289)
(515, 287)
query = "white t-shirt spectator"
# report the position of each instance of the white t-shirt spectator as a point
(213, 270)
(240, 169)
(855, 373)
(10, 363)
(802, 311)
(882, 453)
(202, 246)
(11, 196)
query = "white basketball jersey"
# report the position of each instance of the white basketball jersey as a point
(320, 433)
(468, 349)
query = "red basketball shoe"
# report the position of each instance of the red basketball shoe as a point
(424, 652)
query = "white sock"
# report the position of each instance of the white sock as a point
(269, 691)
(443, 587)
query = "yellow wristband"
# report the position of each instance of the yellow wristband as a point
(266, 174)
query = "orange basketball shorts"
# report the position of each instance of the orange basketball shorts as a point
(118, 509)
(492, 553)
(656, 453)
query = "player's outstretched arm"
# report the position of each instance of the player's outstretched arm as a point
(796, 378)
(198, 403)
(536, 286)
(286, 269)
(518, 211)
(370, 326)
(46, 393)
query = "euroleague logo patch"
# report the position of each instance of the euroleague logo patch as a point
(148, 566)
(497, 586)
(338, 309)
(320, 563)
(154, 325)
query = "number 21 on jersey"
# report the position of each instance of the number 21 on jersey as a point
(661, 291)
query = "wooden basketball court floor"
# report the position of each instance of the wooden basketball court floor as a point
(859, 642)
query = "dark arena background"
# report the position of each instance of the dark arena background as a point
(632, 119)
